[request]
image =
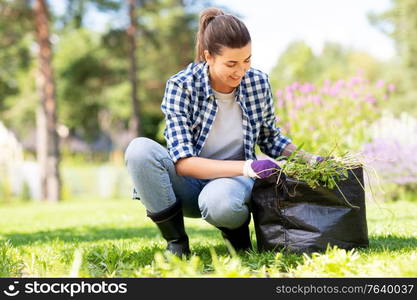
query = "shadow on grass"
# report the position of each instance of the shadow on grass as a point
(94, 233)
(378, 243)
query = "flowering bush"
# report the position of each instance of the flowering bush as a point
(392, 153)
(335, 113)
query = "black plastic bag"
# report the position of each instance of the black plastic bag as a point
(290, 215)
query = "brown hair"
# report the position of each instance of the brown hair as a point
(216, 30)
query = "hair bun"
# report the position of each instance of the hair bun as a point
(226, 31)
(208, 15)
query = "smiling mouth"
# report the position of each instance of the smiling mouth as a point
(235, 79)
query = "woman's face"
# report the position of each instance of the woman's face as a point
(227, 69)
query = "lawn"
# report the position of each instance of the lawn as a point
(114, 238)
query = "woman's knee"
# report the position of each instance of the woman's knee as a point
(143, 150)
(229, 213)
(224, 202)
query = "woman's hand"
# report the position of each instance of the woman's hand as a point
(260, 168)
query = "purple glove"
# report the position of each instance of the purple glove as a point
(260, 168)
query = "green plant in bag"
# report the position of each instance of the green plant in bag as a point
(321, 174)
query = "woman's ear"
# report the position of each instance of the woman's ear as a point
(207, 56)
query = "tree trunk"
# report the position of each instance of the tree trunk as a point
(135, 125)
(48, 141)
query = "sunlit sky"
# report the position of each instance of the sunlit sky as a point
(273, 24)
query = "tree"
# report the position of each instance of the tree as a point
(94, 93)
(135, 127)
(298, 63)
(295, 64)
(76, 10)
(48, 141)
(400, 23)
(14, 55)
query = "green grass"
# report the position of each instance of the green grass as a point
(115, 239)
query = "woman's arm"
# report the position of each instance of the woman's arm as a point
(205, 168)
(175, 105)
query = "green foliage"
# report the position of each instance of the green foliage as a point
(15, 24)
(17, 97)
(10, 263)
(5, 189)
(334, 113)
(331, 98)
(97, 65)
(91, 68)
(82, 73)
(298, 63)
(334, 263)
(400, 23)
(325, 174)
(110, 261)
(25, 195)
(76, 11)
(295, 64)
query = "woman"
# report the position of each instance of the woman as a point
(216, 110)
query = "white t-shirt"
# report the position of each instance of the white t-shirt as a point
(225, 139)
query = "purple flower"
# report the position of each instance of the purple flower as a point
(394, 161)
(295, 86)
(307, 88)
(299, 102)
(288, 95)
(391, 87)
(354, 81)
(355, 94)
(325, 90)
(339, 84)
(379, 84)
(333, 91)
(370, 99)
(317, 100)
(360, 72)
(286, 127)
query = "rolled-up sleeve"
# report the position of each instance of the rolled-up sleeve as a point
(175, 105)
(271, 141)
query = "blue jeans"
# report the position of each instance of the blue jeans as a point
(222, 202)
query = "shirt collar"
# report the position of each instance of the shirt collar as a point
(206, 82)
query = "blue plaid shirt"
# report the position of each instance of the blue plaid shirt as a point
(190, 108)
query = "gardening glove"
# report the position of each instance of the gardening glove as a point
(260, 168)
